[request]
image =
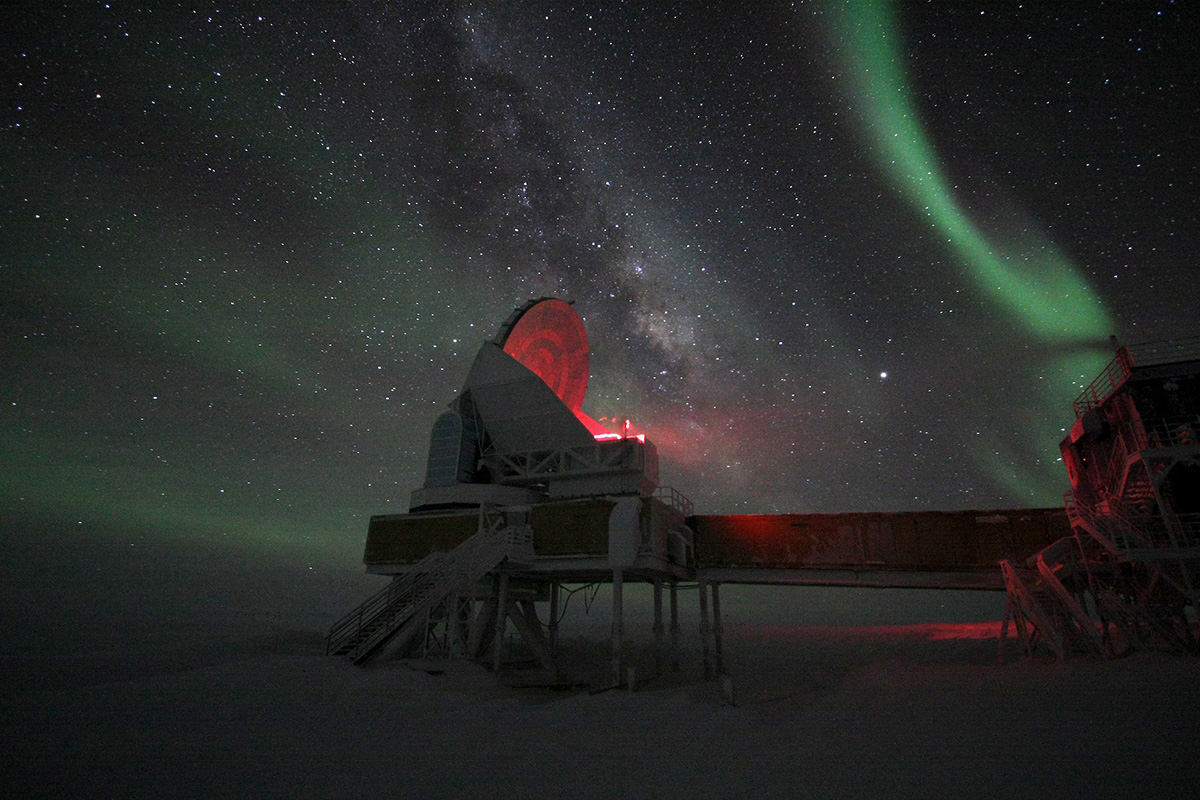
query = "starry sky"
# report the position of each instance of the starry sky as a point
(831, 256)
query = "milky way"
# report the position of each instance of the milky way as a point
(830, 257)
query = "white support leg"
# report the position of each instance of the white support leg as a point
(618, 624)
(451, 624)
(553, 631)
(718, 638)
(482, 629)
(658, 627)
(705, 632)
(676, 633)
(525, 620)
(501, 619)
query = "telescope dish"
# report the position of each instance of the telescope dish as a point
(549, 339)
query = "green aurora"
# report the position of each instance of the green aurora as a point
(1046, 300)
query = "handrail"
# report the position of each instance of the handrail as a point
(353, 623)
(1158, 433)
(369, 626)
(1144, 354)
(1171, 432)
(675, 499)
(1069, 503)
(1100, 527)
(1121, 530)
(382, 597)
(1128, 438)
(1137, 435)
(598, 457)
(1189, 529)
(1027, 605)
(1068, 601)
(1107, 382)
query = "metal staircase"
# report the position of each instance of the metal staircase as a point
(1131, 472)
(1139, 625)
(1134, 512)
(1027, 607)
(403, 606)
(1043, 609)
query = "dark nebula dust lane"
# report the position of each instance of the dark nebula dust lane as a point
(831, 257)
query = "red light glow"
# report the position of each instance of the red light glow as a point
(605, 435)
(549, 340)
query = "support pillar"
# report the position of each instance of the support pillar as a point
(618, 624)
(675, 631)
(483, 629)
(705, 631)
(553, 625)
(658, 627)
(465, 619)
(718, 639)
(501, 619)
(454, 637)
(525, 620)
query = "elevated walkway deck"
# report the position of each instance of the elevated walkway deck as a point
(913, 550)
(576, 541)
(618, 539)
(860, 575)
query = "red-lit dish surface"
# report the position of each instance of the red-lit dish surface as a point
(549, 339)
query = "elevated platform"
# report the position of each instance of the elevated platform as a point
(524, 492)
(861, 576)
(573, 541)
(583, 541)
(917, 550)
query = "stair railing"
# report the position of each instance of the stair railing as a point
(432, 580)
(1084, 516)
(1128, 438)
(1189, 529)
(402, 608)
(1023, 601)
(369, 611)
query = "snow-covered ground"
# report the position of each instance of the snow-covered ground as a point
(232, 700)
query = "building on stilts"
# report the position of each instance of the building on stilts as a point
(524, 493)
(1128, 576)
(525, 496)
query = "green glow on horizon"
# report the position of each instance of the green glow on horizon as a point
(113, 488)
(1039, 285)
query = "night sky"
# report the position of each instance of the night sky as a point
(830, 257)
